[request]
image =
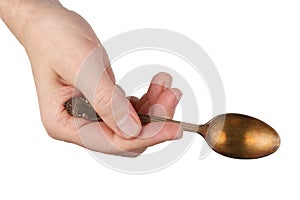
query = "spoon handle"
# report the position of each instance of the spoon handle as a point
(185, 126)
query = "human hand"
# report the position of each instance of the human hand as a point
(160, 100)
(67, 59)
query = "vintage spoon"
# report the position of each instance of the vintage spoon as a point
(232, 135)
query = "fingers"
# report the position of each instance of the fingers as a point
(166, 103)
(107, 99)
(159, 83)
(116, 110)
(99, 137)
(104, 140)
(152, 134)
(159, 132)
(160, 99)
(133, 100)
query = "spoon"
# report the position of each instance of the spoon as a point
(233, 135)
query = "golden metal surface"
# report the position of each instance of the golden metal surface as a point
(240, 136)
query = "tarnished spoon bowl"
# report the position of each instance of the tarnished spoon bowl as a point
(240, 136)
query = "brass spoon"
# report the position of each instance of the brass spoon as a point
(232, 135)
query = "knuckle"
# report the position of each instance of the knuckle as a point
(48, 127)
(53, 134)
(102, 101)
(57, 127)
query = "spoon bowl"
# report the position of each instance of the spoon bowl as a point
(240, 136)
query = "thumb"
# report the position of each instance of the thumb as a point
(108, 100)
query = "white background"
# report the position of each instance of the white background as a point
(255, 46)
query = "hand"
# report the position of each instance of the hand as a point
(67, 59)
(160, 100)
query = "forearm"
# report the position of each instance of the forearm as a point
(18, 15)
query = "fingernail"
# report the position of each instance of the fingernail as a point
(163, 79)
(178, 95)
(179, 133)
(133, 114)
(130, 124)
